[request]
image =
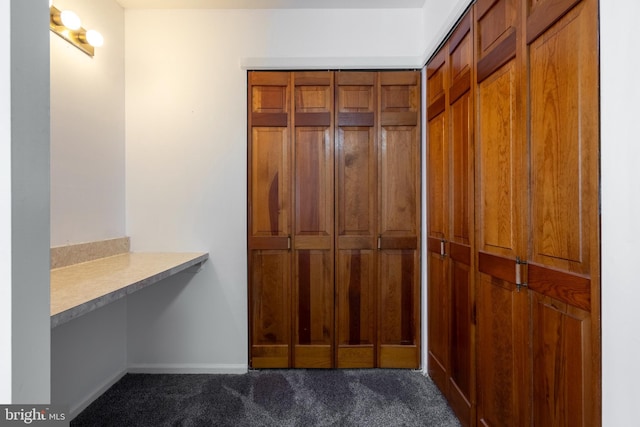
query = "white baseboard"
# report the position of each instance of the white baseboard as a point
(187, 368)
(76, 408)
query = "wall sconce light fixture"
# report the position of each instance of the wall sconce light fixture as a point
(67, 25)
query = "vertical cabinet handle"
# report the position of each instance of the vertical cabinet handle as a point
(443, 252)
(379, 238)
(289, 242)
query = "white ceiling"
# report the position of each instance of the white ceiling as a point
(271, 4)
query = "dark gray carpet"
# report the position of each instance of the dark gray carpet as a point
(367, 397)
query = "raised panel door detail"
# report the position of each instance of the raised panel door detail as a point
(438, 319)
(313, 181)
(313, 297)
(563, 135)
(460, 146)
(271, 308)
(497, 167)
(355, 98)
(398, 309)
(501, 329)
(461, 332)
(269, 182)
(355, 308)
(399, 151)
(436, 72)
(496, 19)
(561, 363)
(269, 99)
(438, 158)
(356, 181)
(313, 99)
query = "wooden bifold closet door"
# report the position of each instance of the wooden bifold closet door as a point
(334, 214)
(534, 313)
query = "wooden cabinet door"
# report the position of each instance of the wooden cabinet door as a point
(313, 218)
(438, 221)
(501, 190)
(270, 219)
(399, 220)
(563, 271)
(356, 213)
(461, 386)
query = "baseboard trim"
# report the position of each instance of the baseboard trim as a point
(187, 368)
(96, 393)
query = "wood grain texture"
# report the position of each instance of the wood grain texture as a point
(503, 398)
(497, 145)
(562, 373)
(356, 217)
(355, 308)
(314, 309)
(399, 221)
(544, 13)
(270, 219)
(438, 174)
(270, 308)
(563, 133)
(313, 183)
(438, 318)
(461, 169)
(495, 21)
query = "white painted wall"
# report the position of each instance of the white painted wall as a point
(620, 157)
(186, 157)
(29, 193)
(87, 129)
(5, 203)
(88, 192)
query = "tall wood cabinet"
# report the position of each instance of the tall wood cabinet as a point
(334, 219)
(535, 316)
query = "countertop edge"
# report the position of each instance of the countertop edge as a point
(95, 303)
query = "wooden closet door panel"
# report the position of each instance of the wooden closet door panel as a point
(438, 223)
(314, 223)
(564, 142)
(438, 316)
(564, 244)
(437, 157)
(398, 313)
(270, 219)
(270, 183)
(269, 285)
(461, 387)
(356, 259)
(313, 296)
(438, 171)
(355, 314)
(502, 398)
(498, 206)
(398, 219)
(495, 23)
(399, 204)
(562, 355)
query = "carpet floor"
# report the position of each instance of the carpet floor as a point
(344, 397)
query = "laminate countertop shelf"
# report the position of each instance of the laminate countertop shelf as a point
(81, 288)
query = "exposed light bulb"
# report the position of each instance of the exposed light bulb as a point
(70, 20)
(50, 3)
(94, 38)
